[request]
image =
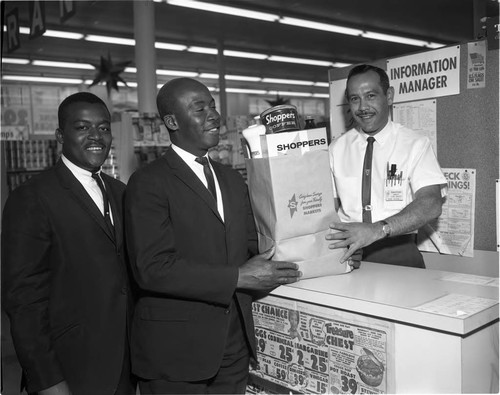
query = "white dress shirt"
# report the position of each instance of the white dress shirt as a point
(90, 185)
(197, 168)
(416, 166)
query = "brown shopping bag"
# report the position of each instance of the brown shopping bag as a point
(292, 201)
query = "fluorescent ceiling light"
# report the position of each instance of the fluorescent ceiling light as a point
(434, 45)
(398, 39)
(251, 91)
(283, 81)
(299, 60)
(130, 84)
(65, 65)
(221, 9)
(177, 73)
(209, 76)
(321, 95)
(242, 78)
(287, 93)
(42, 79)
(322, 84)
(130, 70)
(24, 30)
(247, 55)
(320, 26)
(171, 47)
(110, 40)
(15, 61)
(210, 51)
(61, 34)
(340, 64)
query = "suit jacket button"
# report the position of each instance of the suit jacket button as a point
(226, 312)
(124, 290)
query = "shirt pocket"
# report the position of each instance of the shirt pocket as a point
(395, 194)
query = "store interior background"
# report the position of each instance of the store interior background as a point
(242, 60)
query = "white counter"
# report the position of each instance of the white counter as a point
(444, 325)
(392, 292)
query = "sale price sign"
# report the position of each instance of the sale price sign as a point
(314, 349)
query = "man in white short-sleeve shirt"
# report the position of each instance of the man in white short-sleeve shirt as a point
(407, 184)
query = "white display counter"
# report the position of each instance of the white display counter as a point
(442, 327)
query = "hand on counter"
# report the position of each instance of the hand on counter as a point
(260, 273)
(355, 259)
(354, 236)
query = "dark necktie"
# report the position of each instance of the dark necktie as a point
(208, 175)
(107, 217)
(367, 181)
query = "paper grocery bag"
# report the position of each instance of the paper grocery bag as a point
(292, 202)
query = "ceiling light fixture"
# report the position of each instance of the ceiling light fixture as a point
(290, 93)
(250, 91)
(26, 78)
(341, 64)
(15, 61)
(247, 55)
(177, 73)
(288, 59)
(61, 34)
(285, 81)
(221, 9)
(65, 65)
(209, 76)
(401, 40)
(320, 26)
(242, 78)
(199, 5)
(204, 50)
(110, 40)
(171, 47)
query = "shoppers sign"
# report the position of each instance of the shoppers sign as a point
(313, 349)
(425, 75)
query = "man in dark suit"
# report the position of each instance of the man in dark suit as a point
(192, 244)
(64, 277)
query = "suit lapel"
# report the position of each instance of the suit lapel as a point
(78, 192)
(184, 173)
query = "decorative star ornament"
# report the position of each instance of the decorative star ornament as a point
(109, 73)
(279, 101)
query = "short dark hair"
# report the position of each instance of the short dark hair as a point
(363, 68)
(79, 97)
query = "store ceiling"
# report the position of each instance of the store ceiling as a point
(444, 21)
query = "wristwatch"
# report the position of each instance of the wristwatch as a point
(386, 228)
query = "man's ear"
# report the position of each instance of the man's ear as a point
(170, 122)
(390, 95)
(59, 136)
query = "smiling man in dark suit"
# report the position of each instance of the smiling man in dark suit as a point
(64, 277)
(192, 243)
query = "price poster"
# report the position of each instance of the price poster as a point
(317, 350)
(453, 232)
(16, 112)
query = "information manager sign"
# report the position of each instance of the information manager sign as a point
(425, 75)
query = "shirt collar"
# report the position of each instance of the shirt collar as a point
(188, 157)
(78, 172)
(382, 136)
